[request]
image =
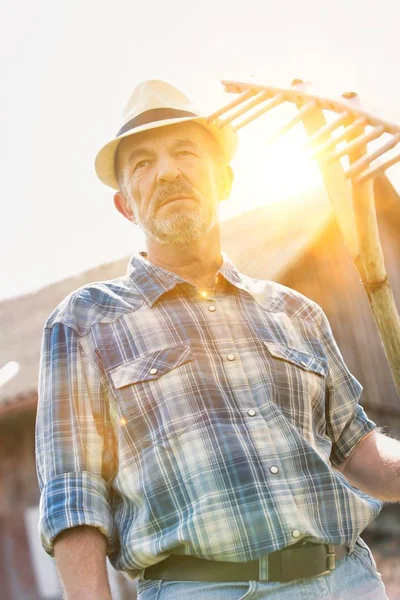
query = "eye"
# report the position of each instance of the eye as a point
(142, 163)
(186, 153)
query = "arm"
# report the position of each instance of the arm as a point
(81, 561)
(368, 459)
(346, 422)
(75, 458)
(373, 466)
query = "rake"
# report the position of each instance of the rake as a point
(350, 191)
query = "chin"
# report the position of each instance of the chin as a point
(182, 227)
(177, 239)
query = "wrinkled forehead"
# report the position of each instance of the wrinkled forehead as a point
(189, 130)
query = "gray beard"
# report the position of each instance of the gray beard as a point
(180, 227)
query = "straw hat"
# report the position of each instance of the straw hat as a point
(156, 104)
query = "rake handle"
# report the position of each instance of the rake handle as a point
(359, 228)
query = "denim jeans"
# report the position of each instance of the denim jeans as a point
(355, 578)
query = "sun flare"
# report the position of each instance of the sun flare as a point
(266, 173)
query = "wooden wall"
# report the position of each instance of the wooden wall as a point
(18, 482)
(326, 274)
(18, 491)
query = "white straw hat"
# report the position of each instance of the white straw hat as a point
(156, 104)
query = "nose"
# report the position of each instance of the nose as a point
(167, 170)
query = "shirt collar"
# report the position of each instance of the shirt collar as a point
(153, 281)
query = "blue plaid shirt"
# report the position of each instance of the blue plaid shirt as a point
(185, 422)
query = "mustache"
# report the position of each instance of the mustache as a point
(172, 189)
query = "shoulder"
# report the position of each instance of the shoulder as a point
(275, 297)
(98, 302)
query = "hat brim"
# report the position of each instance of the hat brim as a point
(105, 159)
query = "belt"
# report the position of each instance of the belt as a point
(299, 561)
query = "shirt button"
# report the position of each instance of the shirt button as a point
(153, 371)
(304, 363)
(251, 412)
(231, 357)
(274, 470)
(212, 308)
(296, 533)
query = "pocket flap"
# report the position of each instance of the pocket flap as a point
(150, 365)
(307, 362)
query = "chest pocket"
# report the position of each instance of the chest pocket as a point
(298, 385)
(304, 360)
(153, 393)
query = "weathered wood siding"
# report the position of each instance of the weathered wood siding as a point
(325, 273)
(18, 491)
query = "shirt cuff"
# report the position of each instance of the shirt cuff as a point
(352, 434)
(74, 499)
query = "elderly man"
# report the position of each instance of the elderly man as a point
(196, 425)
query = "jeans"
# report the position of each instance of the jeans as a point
(355, 578)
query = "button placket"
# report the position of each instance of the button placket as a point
(272, 466)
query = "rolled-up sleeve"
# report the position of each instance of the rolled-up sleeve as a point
(346, 420)
(75, 450)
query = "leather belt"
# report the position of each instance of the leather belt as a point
(298, 561)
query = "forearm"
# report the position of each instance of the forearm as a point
(80, 555)
(374, 467)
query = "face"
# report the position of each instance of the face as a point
(172, 180)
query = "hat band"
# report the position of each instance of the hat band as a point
(155, 114)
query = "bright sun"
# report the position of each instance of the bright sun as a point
(268, 173)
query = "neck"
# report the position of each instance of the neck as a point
(197, 262)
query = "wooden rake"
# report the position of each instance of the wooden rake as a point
(351, 191)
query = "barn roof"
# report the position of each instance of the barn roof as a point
(279, 233)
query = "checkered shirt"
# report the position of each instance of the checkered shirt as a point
(185, 422)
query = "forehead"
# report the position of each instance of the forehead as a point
(190, 131)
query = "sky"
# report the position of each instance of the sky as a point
(69, 66)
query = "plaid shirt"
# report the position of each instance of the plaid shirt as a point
(182, 422)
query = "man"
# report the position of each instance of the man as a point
(196, 425)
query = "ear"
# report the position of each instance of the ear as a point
(225, 182)
(123, 206)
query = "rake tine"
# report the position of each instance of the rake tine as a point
(348, 103)
(376, 170)
(245, 96)
(330, 144)
(243, 109)
(359, 165)
(304, 110)
(361, 140)
(271, 104)
(342, 119)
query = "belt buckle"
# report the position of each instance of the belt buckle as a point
(330, 559)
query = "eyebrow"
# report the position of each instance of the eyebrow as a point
(173, 146)
(184, 142)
